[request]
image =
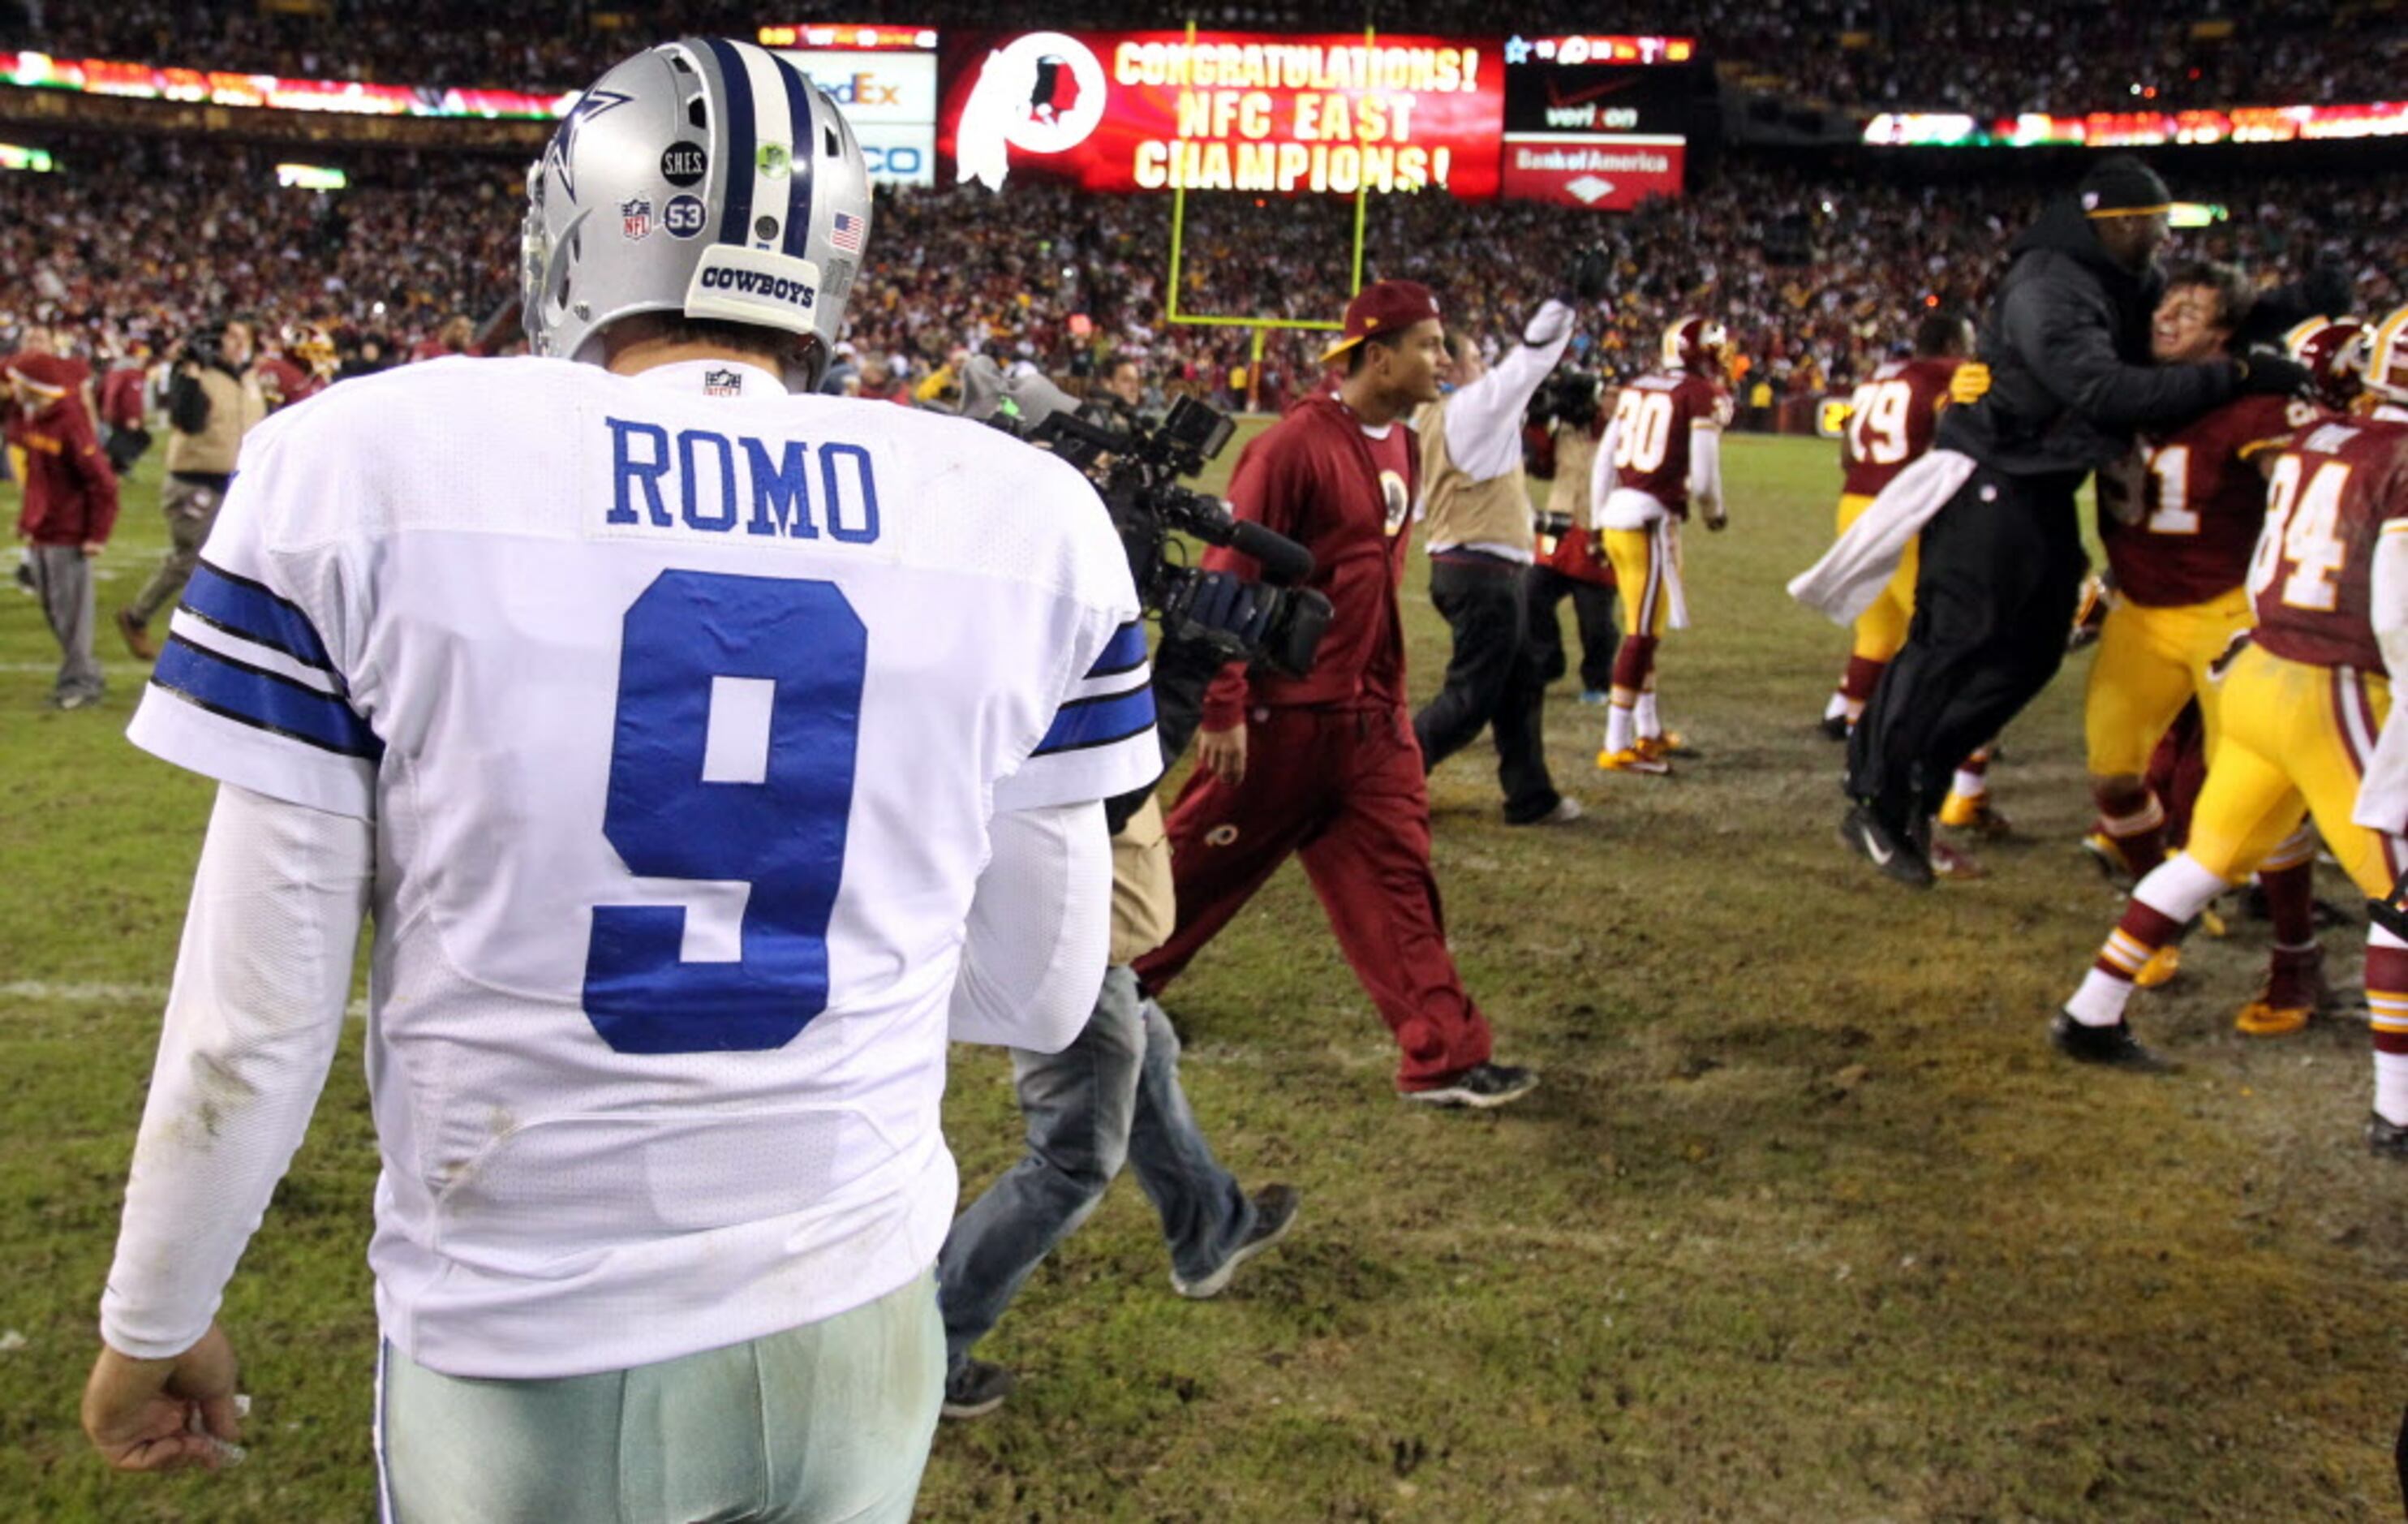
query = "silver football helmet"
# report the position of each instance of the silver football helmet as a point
(704, 176)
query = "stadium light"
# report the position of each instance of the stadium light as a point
(33, 160)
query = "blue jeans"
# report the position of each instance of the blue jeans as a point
(1111, 1097)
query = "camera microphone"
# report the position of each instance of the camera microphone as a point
(1284, 562)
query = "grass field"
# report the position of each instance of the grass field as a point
(1805, 1223)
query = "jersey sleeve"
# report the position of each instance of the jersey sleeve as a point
(1099, 741)
(245, 689)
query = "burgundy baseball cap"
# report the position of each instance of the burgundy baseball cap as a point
(45, 373)
(1385, 308)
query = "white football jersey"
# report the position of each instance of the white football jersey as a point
(680, 707)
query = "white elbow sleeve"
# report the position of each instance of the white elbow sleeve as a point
(1039, 930)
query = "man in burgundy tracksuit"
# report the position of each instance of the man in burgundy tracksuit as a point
(1326, 766)
(70, 507)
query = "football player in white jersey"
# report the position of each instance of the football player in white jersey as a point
(703, 754)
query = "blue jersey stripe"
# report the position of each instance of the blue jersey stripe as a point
(250, 611)
(267, 699)
(1124, 653)
(799, 95)
(736, 224)
(1097, 722)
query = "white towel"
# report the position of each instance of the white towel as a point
(1861, 562)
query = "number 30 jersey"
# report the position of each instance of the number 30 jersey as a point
(1891, 417)
(680, 707)
(2178, 519)
(2331, 498)
(1650, 436)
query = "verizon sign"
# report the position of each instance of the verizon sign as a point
(1601, 172)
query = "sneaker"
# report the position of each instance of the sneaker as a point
(2161, 969)
(1894, 853)
(2295, 988)
(1835, 727)
(73, 701)
(137, 636)
(1274, 1214)
(1596, 698)
(1963, 813)
(1482, 1085)
(1566, 810)
(977, 1389)
(2114, 1047)
(1631, 759)
(2389, 1138)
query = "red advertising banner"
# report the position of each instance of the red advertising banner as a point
(1223, 111)
(1598, 172)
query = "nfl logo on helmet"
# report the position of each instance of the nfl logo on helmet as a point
(636, 217)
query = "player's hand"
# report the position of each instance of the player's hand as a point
(164, 1415)
(1223, 753)
(2270, 373)
(91, 547)
(1970, 384)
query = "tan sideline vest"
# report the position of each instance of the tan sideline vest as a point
(1461, 512)
(1575, 457)
(236, 407)
(1143, 908)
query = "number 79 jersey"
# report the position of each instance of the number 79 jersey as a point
(680, 716)
(2329, 500)
(1891, 418)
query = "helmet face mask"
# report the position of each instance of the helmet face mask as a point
(703, 179)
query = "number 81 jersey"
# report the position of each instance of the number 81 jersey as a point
(2329, 498)
(680, 707)
(2179, 516)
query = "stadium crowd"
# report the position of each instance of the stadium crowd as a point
(1812, 273)
(1852, 53)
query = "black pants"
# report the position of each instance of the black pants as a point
(1492, 680)
(2002, 566)
(1592, 610)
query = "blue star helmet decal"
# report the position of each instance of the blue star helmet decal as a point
(563, 142)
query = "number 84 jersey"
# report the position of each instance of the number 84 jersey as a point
(2329, 499)
(680, 707)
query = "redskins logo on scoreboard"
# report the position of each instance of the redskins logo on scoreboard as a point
(1043, 92)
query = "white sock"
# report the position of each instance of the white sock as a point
(1617, 727)
(1838, 708)
(2100, 1002)
(2179, 888)
(1969, 785)
(2391, 1087)
(1648, 724)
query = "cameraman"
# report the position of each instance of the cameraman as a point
(1111, 1097)
(213, 400)
(1569, 563)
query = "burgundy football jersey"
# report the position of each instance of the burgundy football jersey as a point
(1890, 420)
(2180, 519)
(2329, 498)
(1652, 419)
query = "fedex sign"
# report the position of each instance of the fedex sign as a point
(891, 100)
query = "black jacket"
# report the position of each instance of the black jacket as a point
(2067, 341)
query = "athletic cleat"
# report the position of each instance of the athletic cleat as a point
(1895, 853)
(977, 1389)
(1835, 727)
(1274, 1214)
(2161, 969)
(2108, 856)
(1480, 1087)
(1631, 759)
(2386, 1138)
(1949, 863)
(2295, 990)
(2112, 1047)
(1959, 813)
(1670, 744)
